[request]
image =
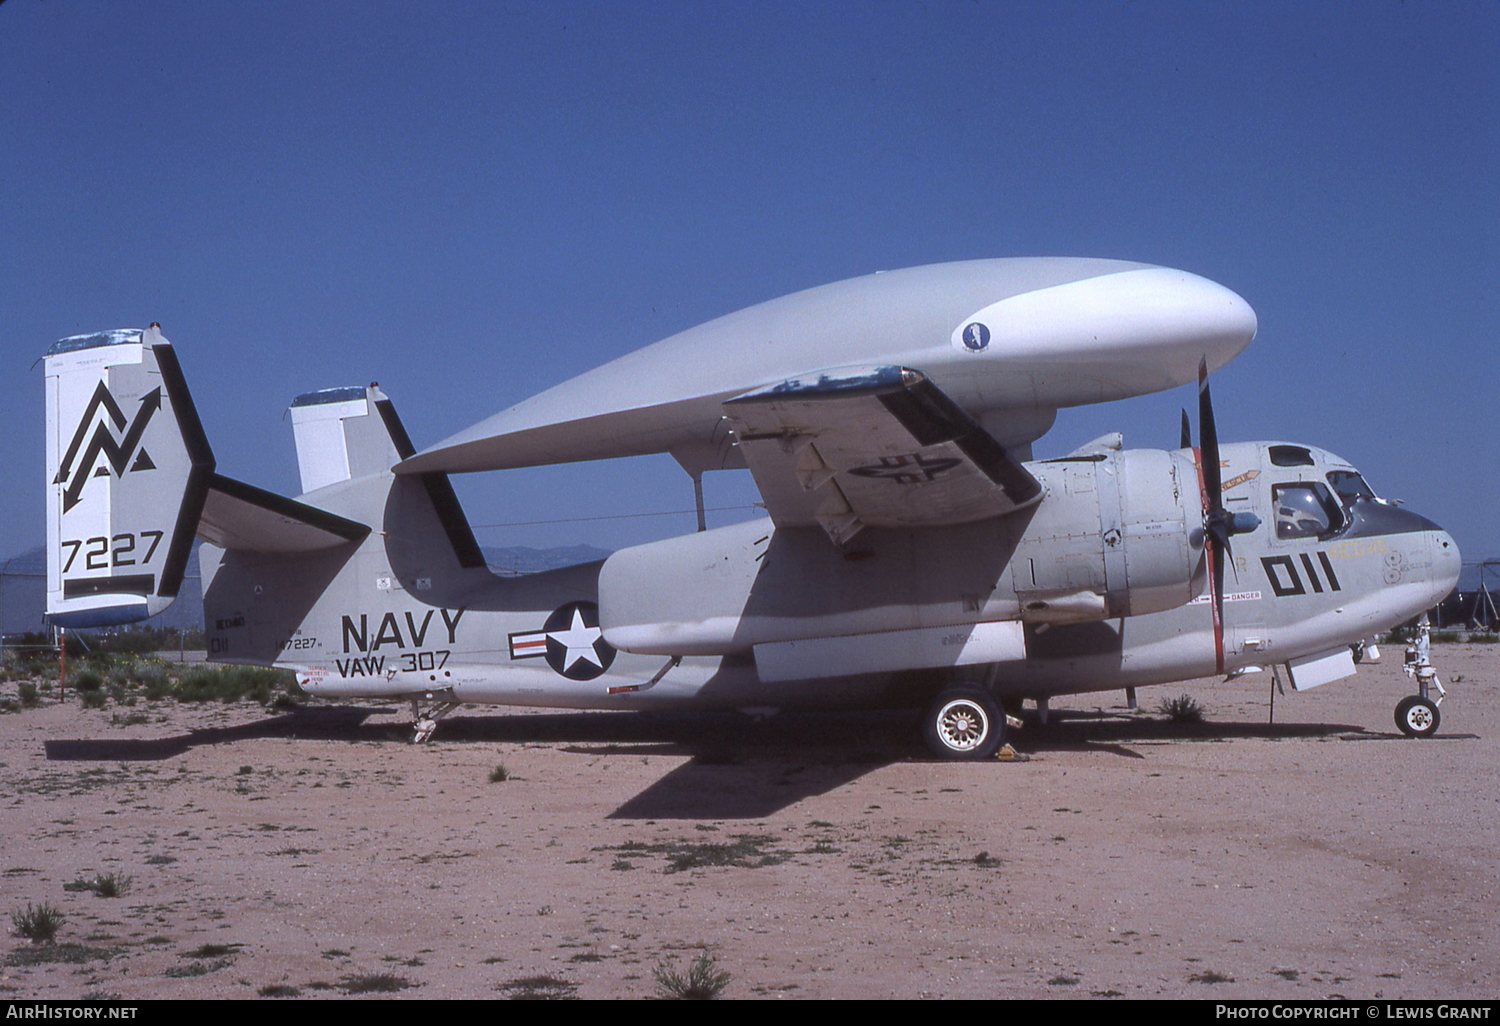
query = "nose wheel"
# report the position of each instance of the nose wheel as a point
(1417, 715)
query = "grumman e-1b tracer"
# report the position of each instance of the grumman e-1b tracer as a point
(912, 553)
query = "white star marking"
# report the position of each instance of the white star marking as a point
(579, 639)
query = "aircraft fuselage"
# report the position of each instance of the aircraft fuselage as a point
(1063, 601)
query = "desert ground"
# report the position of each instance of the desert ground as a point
(316, 853)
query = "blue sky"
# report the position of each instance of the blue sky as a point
(469, 202)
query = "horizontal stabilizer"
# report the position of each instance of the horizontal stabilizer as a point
(241, 516)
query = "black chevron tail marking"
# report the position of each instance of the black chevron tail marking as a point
(100, 399)
(102, 442)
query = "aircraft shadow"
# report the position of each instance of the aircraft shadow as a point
(345, 723)
(1074, 729)
(737, 768)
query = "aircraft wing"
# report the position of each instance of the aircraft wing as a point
(873, 447)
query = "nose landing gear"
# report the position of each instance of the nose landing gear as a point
(1417, 715)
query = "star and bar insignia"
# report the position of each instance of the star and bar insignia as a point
(571, 642)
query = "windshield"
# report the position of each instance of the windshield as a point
(1350, 486)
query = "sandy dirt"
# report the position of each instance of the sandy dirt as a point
(317, 851)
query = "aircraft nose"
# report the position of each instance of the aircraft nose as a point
(1440, 575)
(1446, 563)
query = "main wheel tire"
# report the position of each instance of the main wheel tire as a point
(1417, 716)
(964, 722)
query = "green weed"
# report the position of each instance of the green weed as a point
(703, 981)
(214, 950)
(228, 684)
(38, 923)
(1182, 709)
(538, 988)
(52, 953)
(745, 851)
(106, 885)
(374, 983)
(180, 972)
(87, 680)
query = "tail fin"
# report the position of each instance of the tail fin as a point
(347, 433)
(261, 609)
(118, 409)
(338, 439)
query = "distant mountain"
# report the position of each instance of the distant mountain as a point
(32, 561)
(521, 559)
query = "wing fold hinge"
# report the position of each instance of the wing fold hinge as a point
(873, 447)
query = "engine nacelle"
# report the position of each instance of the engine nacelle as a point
(1119, 534)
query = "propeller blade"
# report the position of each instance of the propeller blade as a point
(1219, 548)
(1208, 435)
(1216, 519)
(1187, 432)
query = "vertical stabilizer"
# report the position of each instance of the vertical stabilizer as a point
(128, 470)
(348, 433)
(340, 435)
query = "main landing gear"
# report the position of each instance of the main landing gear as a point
(964, 722)
(1417, 715)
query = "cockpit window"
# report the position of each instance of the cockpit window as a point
(1290, 456)
(1349, 486)
(1305, 510)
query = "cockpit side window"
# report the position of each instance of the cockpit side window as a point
(1305, 510)
(1349, 486)
(1291, 456)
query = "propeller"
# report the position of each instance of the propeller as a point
(1219, 525)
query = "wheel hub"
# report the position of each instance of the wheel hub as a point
(962, 726)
